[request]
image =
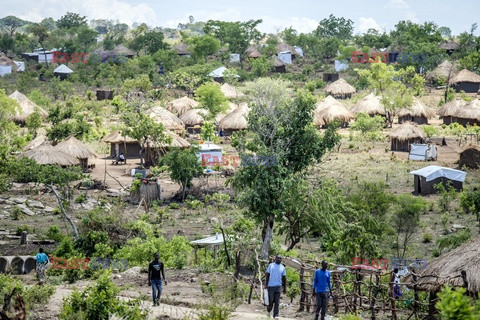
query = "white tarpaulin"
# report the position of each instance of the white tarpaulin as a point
(209, 241)
(234, 57)
(299, 50)
(422, 152)
(433, 172)
(218, 73)
(210, 154)
(340, 65)
(5, 70)
(63, 69)
(20, 65)
(285, 56)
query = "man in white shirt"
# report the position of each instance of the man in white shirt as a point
(276, 278)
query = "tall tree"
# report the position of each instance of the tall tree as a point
(11, 24)
(333, 27)
(237, 35)
(212, 98)
(204, 46)
(41, 33)
(71, 21)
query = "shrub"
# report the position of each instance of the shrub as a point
(19, 230)
(195, 204)
(455, 305)
(174, 205)
(54, 233)
(32, 295)
(80, 199)
(350, 316)
(454, 240)
(427, 237)
(16, 212)
(215, 312)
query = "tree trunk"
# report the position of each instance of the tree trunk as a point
(141, 154)
(267, 239)
(70, 221)
(225, 246)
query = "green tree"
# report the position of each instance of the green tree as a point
(282, 128)
(333, 27)
(204, 46)
(41, 33)
(34, 122)
(11, 23)
(212, 98)
(71, 21)
(150, 42)
(455, 304)
(237, 35)
(183, 166)
(208, 130)
(260, 66)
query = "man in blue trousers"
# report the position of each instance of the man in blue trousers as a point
(321, 288)
(155, 273)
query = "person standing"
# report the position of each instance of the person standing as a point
(321, 288)
(155, 274)
(276, 278)
(397, 291)
(42, 261)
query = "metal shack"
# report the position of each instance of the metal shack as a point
(426, 178)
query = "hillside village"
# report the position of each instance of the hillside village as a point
(220, 148)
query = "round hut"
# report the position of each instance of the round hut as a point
(371, 104)
(27, 107)
(235, 120)
(182, 105)
(418, 113)
(467, 81)
(470, 157)
(279, 65)
(329, 110)
(231, 92)
(340, 89)
(156, 150)
(165, 117)
(47, 154)
(449, 110)
(78, 149)
(38, 141)
(122, 144)
(231, 106)
(469, 114)
(445, 70)
(404, 135)
(192, 119)
(182, 49)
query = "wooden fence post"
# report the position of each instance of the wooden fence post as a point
(355, 284)
(336, 283)
(392, 298)
(375, 292)
(302, 289)
(415, 292)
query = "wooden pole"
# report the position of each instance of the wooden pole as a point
(336, 283)
(392, 298)
(415, 292)
(302, 289)
(24, 238)
(355, 292)
(375, 292)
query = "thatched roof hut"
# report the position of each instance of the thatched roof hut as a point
(27, 107)
(235, 120)
(193, 117)
(448, 268)
(7, 65)
(76, 148)
(231, 106)
(418, 112)
(329, 110)
(370, 104)
(177, 142)
(47, 154)
(165, 117)
(467, 81)
(279, 65)
(181, 105)
(282, 47)
(340, 89)
(38, 141)
(446, 69)
(231, 92)
(469, 114)
(182, 49)
(470, 157)
(450, 110)
(156, 150)
(122, 144)
(404, 135)
(449, 46)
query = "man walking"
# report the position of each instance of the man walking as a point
(42, 260)
(321, 289)
(155, 274)
(276, 278)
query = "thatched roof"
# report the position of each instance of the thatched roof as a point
(76, 148)
(445, 69)
(470, 111)
(176, 142)
(278, 63)
(194, 117)
(236, 120)
(181, 48)
(231, 106)
(281, 47)
(38, 141)
(407, 131)
(250, 50)
(46, 154)
(470, 157)
(181, 105)
(339, 87)
(230, 91)
(27, 107)
(330, 109)
(465, 76)
(450, 108)
(6, 61)
(254, 54)
(117, 137)
(370, 104)
(449, 45)
(165, 117)
(417, 109)
(447, 269)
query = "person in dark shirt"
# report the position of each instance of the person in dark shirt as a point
(321, 288)
(155, 274)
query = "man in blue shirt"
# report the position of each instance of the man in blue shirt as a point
(42, 260)
(276, 278)
(321, 287)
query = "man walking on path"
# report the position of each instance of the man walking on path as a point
(155, 274)
(276, 278)
(321, 289)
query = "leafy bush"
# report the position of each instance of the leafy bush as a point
(350, 316)
(32, 295)
(174, 205)
(427, 237)
(195, 204)
(454, 240)
(364, 123)
(19, 230)
(54, 233)
(447, 195)
(215, 312)
(80, 199)
(455, 305)
(430, 131)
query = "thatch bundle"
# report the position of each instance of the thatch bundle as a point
(117, 137)
(76, 148)
(407, 131)
(471, 110)
(470, 157)
(451, 108)
(236, 120)
(182, 105)
(27, 107)
(445, 69)
(194, 117)
(165, 117)
(329, 110)
(447, 269)
(230, 91)
(465, 76)
(371, 104)
(46, 154)
(340, 89)
(417, 109)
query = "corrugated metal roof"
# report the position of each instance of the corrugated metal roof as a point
(213, 240)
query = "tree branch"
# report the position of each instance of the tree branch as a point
(59, 200)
